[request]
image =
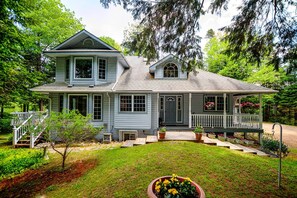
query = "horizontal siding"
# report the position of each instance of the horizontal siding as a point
(186, 108)
(155, 118)
(120, 69)
(55, 102)
(111, 69)
(132, 120)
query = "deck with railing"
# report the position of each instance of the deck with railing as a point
(237, 121)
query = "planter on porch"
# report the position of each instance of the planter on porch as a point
(162, 133)
(157, 187)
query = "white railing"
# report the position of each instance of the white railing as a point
(247, 121)
(33, 126)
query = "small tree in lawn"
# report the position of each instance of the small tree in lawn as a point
(69, 128)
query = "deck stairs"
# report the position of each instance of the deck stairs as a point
(28, 128)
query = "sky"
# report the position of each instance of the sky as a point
(113, 21)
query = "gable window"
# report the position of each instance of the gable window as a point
(214, 103)
(79, 102)
(102, 69)
(83, 67)
(97, 100)
(132, 103)
(170, 71)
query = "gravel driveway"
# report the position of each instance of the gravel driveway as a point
(289, 133)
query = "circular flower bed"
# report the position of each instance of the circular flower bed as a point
(174, 186)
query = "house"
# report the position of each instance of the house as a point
(132, 98)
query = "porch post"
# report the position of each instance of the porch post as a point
(225, 115)
(190, 110)
(239, 108)
(260, 111)
(158, 110)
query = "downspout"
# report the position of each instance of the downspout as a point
(109, 117)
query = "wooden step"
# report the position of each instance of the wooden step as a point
(247, 149)
(260, 153)
(140, 141)
(208, 141)
(151, 139)
(22, 146)
(128, 143)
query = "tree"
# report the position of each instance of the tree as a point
(111, 42)
(69, 128)
(260, 29)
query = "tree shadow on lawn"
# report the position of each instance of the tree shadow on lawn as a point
(34, 181)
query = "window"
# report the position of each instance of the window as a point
(83, 67)
(97, 100)
(61, 102)
(170, 71)
(79, 102)
(101, 69)
(132, 103)
(67, 69)
(179, 109)
(215, 103)
(162, 103)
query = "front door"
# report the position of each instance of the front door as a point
(170, 110)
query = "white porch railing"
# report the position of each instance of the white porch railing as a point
(247, 121)
(33, 126)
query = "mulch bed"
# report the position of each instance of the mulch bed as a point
(34, 181)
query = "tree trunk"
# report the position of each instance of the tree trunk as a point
(2, 111)
(65, 154)
(41, 105)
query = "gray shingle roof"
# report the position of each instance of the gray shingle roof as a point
(138, 78)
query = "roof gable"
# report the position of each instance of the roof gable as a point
(83, 40)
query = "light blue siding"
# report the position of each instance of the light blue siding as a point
(133, 120)
(186, 109)
(159, 72)
(54, 102)
(111, 69)
(155, 113)
(60, 69)
(120, 69)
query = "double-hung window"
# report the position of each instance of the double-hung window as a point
(79, 103)
(102, 69)
(83, 67)
(97, 100)
(132, 103)
(214, 103)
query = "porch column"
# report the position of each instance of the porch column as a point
(260, 111)
(158, 110)
(190, 110)
(225, 115)
(239, 108)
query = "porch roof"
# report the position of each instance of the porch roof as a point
(138, 78)
(61, 87)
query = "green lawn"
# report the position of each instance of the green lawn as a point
(219, 171)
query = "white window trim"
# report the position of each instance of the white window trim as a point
(79, 95)
(100, 107)
(106, 63)
(84, 58)
(178, 69)
(216, 103)
(132, 101)
(181, 108)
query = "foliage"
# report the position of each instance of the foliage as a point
(111, 42)
(175, 188)
(5, 126)
(198, 129)
(69, 128)
(269, 144)
(163, 130)
(15, 161)
(249, 107)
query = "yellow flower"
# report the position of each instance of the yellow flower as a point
(157, 188)
(173, 191)
(174, 175)
(166, 182)
(188, 179)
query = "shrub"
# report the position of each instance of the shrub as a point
(5, 126)
(15, 161)
(272, 146)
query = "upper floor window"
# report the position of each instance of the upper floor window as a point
(170, 71)
(83, 67)
(102, 69)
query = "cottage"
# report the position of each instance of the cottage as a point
(133, 98)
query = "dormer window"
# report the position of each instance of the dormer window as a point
(83, 67)
(170, 71)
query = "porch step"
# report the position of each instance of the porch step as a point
(151, 139)
(208, 141)
(22, 145)
(128, 143)
(140, 141)
(221, 144)
(247, 149)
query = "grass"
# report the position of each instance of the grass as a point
(219, 171)
(4, 138)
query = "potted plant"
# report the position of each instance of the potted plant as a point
(162, 133)
(198, 133)
(174, 186)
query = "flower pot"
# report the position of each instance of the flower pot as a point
(151, 187)
(198, 137)
(162, 136)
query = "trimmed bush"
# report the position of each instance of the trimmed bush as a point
(15, 161)
(271, 145)
(5, 126)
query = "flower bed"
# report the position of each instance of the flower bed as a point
(174, 186)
